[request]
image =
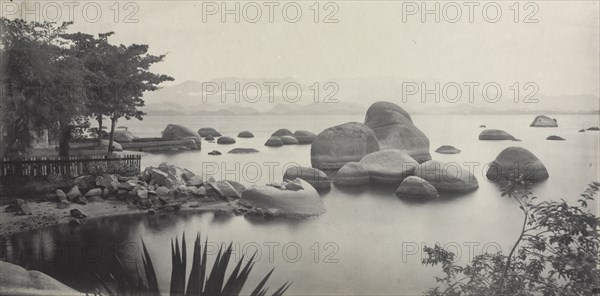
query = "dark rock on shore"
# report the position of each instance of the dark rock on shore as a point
(389, 166)
(514, 162)
(352, 174)
(417, 188)
(274, 141)
(304, 137)
(288, 140)
(447, 149)
(242, 151)
(395, 130)
(77, 213)
(226, 140)
(269, 200)
(316, 178)
(208, 131)
(495, 135)
(447, 177)
(555, 138)
(337, 145)
(544, 121)
(282, 132)
(245, 134)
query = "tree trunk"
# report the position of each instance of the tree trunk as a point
(113, 121)
(65, 138)
(99, 130)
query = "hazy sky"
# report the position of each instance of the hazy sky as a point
(560, 52)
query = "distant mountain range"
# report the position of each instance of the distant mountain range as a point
(193, 98)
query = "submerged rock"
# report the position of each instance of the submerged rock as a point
(415, 187)
(389, 166)
(447, 177)
(340, 144)
(301, 203)
(214, 152)
(594, 128)
(495, 135)
(226, 140)
(544, 121)
(242, 151)
(581, 130)
(245, 134)
(288, 140)
(304, 137)
(482, 126)
(316, 178)
(447, 149)
(555, 138)
(282, 132)
(274, 141)
(395, 130)
(352, 174)
(514, 162)
(208, 131)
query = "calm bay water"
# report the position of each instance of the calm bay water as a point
(368, 242)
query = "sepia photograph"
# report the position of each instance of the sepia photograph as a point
(299, 147)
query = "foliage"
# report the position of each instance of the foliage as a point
(556, 253)
(98, 168)
(199, 282)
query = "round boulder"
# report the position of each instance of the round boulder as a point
(447, 177)
(555, 138)
(417, 188)
(245, 134)
(274, 142)
(340, 144)
(395, 130)
(495, 135)
(123, 136)
(389, 166)
(16, 280)
(304, 137)
(288, 140)
(178, 132)
(447, 149)
(225, 140)
(544, 121)
(317, 178)
(514, 162)
(300, 201)
(282, 132)
(352, 173)
(208, 131)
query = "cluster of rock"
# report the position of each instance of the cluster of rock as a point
(386, 126)
(284, 136)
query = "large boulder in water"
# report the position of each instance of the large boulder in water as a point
(282, 132)
(123, 136)
(514, 162)
(352, 174)
(416, 188)
(544, 121)
(208, 131)
(389, 166)
(299, 201)
(317, 178)
(274, 142)
(340, 144)
(447, 177)
(395, 130)
(495, 135)
(245, 134)
(304, 137)
(178, 132)
(288, 140)
(16, 280)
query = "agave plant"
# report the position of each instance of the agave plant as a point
(197, 284)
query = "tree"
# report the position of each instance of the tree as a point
(556, 252)
(41, 82)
